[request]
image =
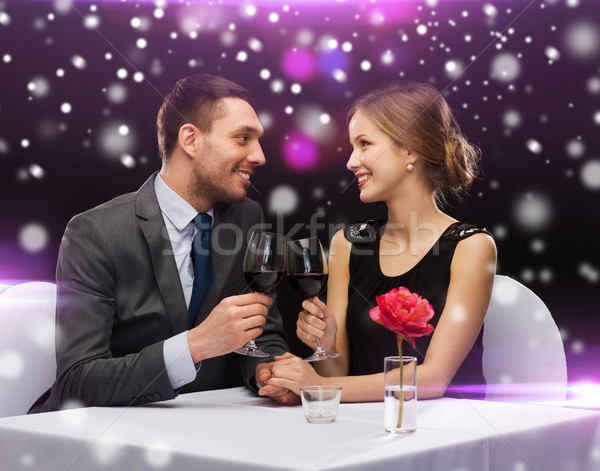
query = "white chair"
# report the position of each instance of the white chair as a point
(523, 353)
(27, 353)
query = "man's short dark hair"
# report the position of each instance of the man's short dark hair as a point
(196, 100)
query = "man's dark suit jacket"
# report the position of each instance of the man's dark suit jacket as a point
(120, 297)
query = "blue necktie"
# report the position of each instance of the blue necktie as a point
(202, 261)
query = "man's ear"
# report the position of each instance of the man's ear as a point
(189, 139)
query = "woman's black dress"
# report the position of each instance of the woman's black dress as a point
(370, 342)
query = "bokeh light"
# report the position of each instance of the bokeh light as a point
(111, 141)
(593, 85)
(250, 10)
(255, 45)
(299, 64)
(11, 364)
(4, 18)
(534, 146)
(590, 273)
(66, 108)
(62, 6)
(316, 124)
(158, 454)
(299, 151)
(332, 61)
(533, 212)
(36, 171)
(552, 53)
(454, 68)
(106, 450)
(575, 148)
(590, 174)
(127, 160)
(512, 118)
(266, 119)
(33, 237)
(277, 86)
(39, 87)
(116, 93)
(582, 39)
(78, 62)
(4, 147)
(490, 10)
(586, 395)
(283, 199)
(91, 21)
(77, 415)
(505, 67)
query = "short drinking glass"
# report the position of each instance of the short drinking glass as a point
(320, 403)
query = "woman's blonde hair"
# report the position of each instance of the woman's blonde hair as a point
(417, 117)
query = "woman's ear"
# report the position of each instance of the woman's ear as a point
(408, 154)
(411, 159)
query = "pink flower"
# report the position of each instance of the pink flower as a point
(404, 313)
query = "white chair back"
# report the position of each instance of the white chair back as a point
(523, 353)
(27, 345)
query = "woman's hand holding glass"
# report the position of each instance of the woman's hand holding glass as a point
(317, 322)
(308, 271)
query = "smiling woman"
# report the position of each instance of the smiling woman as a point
(408, 152)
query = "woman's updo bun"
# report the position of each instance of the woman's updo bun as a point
(460, 161)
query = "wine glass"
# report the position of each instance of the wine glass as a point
(307, 272)
(264, 265)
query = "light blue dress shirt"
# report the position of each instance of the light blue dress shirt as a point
(178, 214)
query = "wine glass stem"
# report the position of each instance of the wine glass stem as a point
(319, 348)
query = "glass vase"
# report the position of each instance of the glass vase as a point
(400, 400)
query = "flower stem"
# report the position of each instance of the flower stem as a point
(401, 391)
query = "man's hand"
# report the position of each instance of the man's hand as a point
(280, 395)
(233, 322)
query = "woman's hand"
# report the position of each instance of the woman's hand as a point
(317, 321)
(282, 396)
(290, 372)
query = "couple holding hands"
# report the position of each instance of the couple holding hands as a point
(138, 321)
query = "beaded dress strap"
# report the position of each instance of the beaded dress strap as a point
(462, 230)
(363, 232)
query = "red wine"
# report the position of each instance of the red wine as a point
(263, 281)
(308, 284)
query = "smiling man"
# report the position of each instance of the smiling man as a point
(152, 299)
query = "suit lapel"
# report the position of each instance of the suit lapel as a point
(223, 243)
(161, 253)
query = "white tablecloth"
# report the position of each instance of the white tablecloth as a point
(234, 429)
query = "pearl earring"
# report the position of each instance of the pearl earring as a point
(410, 167)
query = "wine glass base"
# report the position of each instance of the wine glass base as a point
(321, 355)
(252, 352)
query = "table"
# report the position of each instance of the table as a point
(235, 429)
